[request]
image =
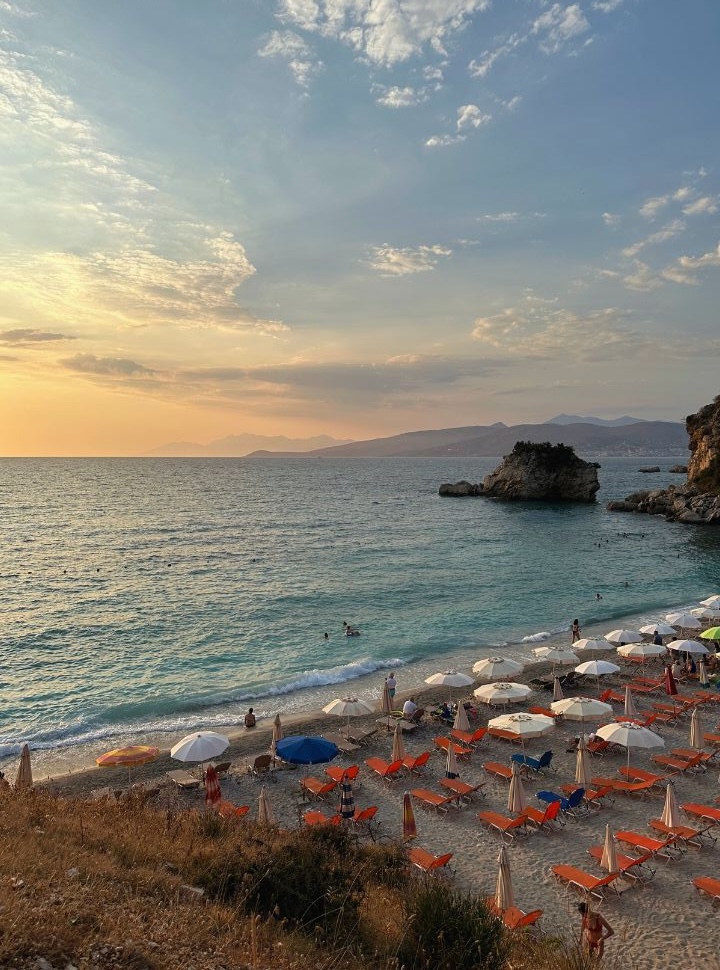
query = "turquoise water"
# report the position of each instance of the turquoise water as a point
(142, 598)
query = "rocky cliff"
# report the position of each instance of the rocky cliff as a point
(698, 501)
(542, 472)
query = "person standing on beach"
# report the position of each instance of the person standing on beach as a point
(594, 931)
(575, 630)
(391, 684)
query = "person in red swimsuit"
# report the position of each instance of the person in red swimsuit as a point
(595, 930)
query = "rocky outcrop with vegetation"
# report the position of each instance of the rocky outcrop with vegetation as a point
(542, 472)
(697, 501)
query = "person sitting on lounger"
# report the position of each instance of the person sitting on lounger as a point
(409, 707)
(595, 930)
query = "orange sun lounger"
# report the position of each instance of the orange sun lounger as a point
(388, 770)
(427, 862)
(460, 750)
(316, 787)
(340, 774)
(415, 764)
(230, 811)
(470, 738)
(709, 886)
(631, 866)
(462, 788)
(663, 849)
(639, 774)
(683, 833)
(707, 812)
(431, 799)
(320, 818)
(498, 769)
(547, 821)
(503, 735)
(681, 764)
(625, 787)
(512, 917)
(590, 885)
(507, 827)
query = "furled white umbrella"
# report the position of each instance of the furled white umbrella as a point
(386, 703)
(24, 777)
(686, 621)
(266, 816)
(696, 730)
(277, 734)
(608, 859)
(398, 748)
(557, 690)
(643, 650)
(461, 722)
(671, 810)
(597, 668)
(526, 725)
(664, 629)
(688, 646)
(582, 772)
(449, 679)
(630, 736)
(702, 674)
(504, 897)
(621, 636)
(582, 709)
(502, 693)
(451, 765)
(629, 710)
(497, 668)
(592, 643)
(517, 799)
(348, 707)
(712, 601)
(201, 746)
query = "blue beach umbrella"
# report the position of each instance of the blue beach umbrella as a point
(302, 750)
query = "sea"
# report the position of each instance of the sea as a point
(142, 599)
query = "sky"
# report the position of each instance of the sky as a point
(352, 217)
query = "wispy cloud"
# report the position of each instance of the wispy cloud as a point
(389, 261)
(105, 366)
(668, 231)
(469, 116)
(397, 97)
(295, 51)
(707, 204)
(30, 338)
(611, 219)
(559, 25)
(687, 269)
(654, 205)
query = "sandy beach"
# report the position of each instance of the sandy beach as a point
(651, 921)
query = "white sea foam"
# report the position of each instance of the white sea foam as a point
(536, 637)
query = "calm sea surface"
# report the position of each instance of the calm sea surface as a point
(142, 598)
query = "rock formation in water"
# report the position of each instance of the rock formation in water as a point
(542, 472)
(698, 501)
(460, 490)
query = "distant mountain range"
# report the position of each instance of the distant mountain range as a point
(588, 436)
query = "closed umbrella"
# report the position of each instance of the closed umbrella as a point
(557, 690)
(398, 748)
(129, 757)
(629, 710)
(582, 769)
(497, 668)
(213, 795)
(671, 810)
(502, 693)
(408, 819)
(266, 816)
(517, 799)
(670, 685)
(702, 673)
(386, 702)
(451, 765)
(696, 730)
(582, 709)
(347, 799)
(461, 722)
(630, 735)
(590, 644)
(608, 859)
(621, 636)
(24, 777)
(277, 735)
(348, 707)
(504, 898)
(449, 679)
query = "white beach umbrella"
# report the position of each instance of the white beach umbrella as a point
(671, 811)
(386, 702)
(398, 748)
(557, 690)
(686, 621)
(702, 674)
(277, 734)
(623, 636)
(630, 736)
(348, 707)
(712, 601)
(664, 629)
(24, 778)
(201, 746)
(608, 859)
(449, 679)
(644, 650)
(526, 725)
(504, 898)
(592, 643)
(451, 765)
(688, 646)
(502, 693)
(597, 668)
(696, 730)
(629, 710)
(461, 722)
(582, 709)
(497, 668)
(582, 772)
(557, 657)
(517, 798)
(706, 613)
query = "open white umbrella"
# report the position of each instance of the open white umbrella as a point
(642, 650)
(582, 772)
(449, 679)
(671, 811)
(502, 693)
(712, 601)
(348, 707)
(688, 646)
(517, 799)
(696, 730)
(623, 636)
(557, 690)
(597, 668)
(398, 748)
(630, 736)
(504, 897)
(526, 725)
(557, 657)
(629, 710)
(608, 859)
(497, 668)
(592, 643)
(582, 709)
(266, 816)
(201, 746)
(664, 629)
(686, 621)
(706, 613)
(461, 722)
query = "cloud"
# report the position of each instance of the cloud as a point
(606, 6)
(105, 366)
(662, 235)
(611, 218)
(686, 268)
(558, 25)
(404, 262)
(651, 207)
(385, 32)
(293, 49)
(642, 278)
(707, 204)
(484, 64)
(441, 141)
(470, 116)
(396, 97)
(500, 217)
(28, 338)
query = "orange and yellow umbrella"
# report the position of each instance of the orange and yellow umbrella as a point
(134, 754)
